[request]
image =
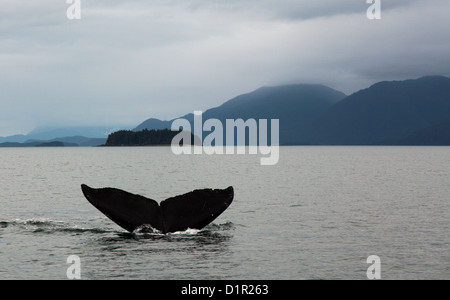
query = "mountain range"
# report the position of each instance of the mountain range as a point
(65, 136)
(386, 113)
(409, 112)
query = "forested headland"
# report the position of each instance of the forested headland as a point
(161, 137)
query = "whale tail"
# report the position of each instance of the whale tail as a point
(193, 210)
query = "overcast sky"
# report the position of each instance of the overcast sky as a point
(128, 60)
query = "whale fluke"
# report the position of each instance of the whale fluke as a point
(193, 210)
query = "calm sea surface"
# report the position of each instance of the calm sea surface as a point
(318, 214)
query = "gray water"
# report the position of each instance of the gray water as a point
(317, 214)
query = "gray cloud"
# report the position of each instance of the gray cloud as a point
(292, 9)
(126, 61)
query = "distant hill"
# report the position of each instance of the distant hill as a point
(18, 138)
(296, 106)
(81, 141)
(385, 113)
(50, 133)
(153, 123)
(69, 136)
(73, 141)
(51, 144)
(31, 144)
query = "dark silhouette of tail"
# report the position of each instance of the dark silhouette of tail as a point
(193, 210)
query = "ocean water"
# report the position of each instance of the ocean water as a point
(318, 214)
